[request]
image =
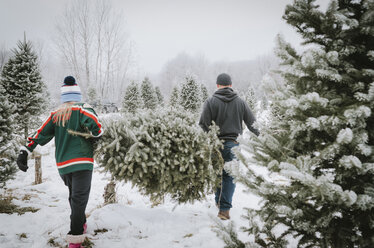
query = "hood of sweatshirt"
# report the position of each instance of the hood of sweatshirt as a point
(225, 94)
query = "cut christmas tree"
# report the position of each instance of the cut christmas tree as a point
(162, 152)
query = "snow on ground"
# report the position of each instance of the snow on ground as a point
(132, 222)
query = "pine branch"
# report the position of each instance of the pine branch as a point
(84, 135)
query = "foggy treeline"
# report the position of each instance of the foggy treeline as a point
(244, 73)
(91, 42)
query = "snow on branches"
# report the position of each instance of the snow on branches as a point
(162, 152)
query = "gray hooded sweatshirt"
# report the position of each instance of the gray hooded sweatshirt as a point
(228, 111)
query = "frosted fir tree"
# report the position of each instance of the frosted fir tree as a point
(7, 147)
(160, 97)
(164, 153)
(319, 150)
(148, 94)
(204, 93)
(92, 95)
(23, 85)
(189, 97)
(174, 97)
(250, 98)
(132, 100)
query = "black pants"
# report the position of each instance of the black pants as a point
(79, 184)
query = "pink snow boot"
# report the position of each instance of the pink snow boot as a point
(71, 245)
(75, 241)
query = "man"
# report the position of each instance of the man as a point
(228, 112)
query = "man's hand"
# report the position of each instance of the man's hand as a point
(22, 161)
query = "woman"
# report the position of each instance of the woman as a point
(74, 154)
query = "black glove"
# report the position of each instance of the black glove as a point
(22, 161)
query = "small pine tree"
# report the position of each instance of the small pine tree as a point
(148, 94)
(23, 85)
(132, 100)
(174, 97)
(159, 95)
(7, 147)
(92, 95)
(204, 93)
(189, 97)
(264, 102)
(320, 149)
(250, 98)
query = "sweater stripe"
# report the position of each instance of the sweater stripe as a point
(89, 114)
(74, 161)
(39, 131)
(79, 162)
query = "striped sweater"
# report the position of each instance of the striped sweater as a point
(73, 153)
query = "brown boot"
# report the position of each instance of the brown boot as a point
(224, 215)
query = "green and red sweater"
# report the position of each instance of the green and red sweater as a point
(73, 153)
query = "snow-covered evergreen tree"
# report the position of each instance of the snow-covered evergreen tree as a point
(7, 146)
(250, 98)
(174, 97)
(204, 93)
(23, 85)
(92, 95)
(132, 100)
(159, 95)
(319, 151)
(163, 152)
(189, 97)
(148, 94)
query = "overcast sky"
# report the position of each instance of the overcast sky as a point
(160, 29)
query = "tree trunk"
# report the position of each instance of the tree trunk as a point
(110, 193)
(38, 169)
(26, 132)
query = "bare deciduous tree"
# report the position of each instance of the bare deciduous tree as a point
(67, 40)
(92, 40)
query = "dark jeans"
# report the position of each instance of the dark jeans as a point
(79, 184)
(224, 196)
